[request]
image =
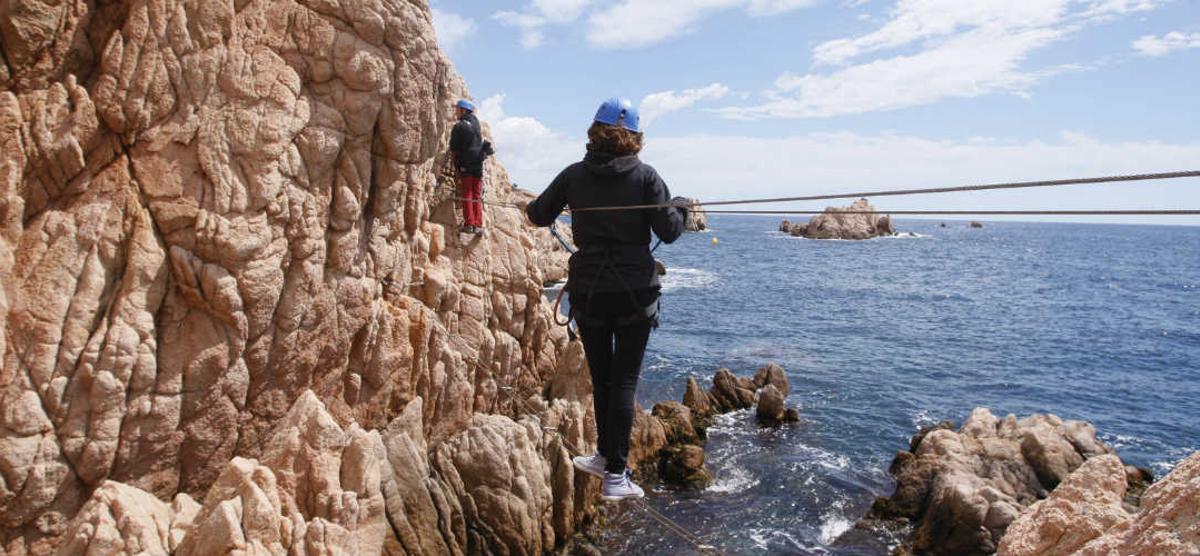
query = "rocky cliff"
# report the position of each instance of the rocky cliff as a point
(232, 311)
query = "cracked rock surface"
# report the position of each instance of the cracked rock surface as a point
(229, 274)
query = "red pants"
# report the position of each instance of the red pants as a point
(470, 188)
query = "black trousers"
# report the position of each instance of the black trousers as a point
(614, 344)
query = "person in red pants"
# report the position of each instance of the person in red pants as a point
(468, 148)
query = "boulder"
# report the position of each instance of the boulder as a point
(857, 221)
(730, 393)
(772, 373)
(1080, 509)
(1087, 514)
(962, 489)
(770, 409)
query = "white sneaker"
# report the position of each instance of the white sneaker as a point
(619, 486)
(592, 465)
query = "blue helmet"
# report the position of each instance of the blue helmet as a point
(619, 111)
(465, 105)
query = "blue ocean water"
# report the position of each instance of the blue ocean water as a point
(880, 337)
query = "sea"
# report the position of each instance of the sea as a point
(881, 337)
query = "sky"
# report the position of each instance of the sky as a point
(769, 98)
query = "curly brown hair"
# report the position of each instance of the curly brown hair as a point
(613, 140)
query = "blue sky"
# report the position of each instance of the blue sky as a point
(763, 98)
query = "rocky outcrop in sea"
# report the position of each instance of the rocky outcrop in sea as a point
(857, 221)
(1089, 514)
(961, 490)
(697, 220)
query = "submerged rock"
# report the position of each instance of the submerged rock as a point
(857, 221)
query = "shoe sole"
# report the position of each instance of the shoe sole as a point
(619, 498)
(599, 475)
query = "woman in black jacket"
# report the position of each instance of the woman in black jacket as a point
(612, 284)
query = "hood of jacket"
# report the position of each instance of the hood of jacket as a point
(605, 164)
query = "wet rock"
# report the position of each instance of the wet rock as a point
(962, 489)
(696, 399)
(683, 466)
(730, 393)
(771, 409)
(857, 221)
(772, 373)
(976, 224)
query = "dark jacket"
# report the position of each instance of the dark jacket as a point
(602, 180)
(466, 142)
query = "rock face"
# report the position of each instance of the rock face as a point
(1085, 515)
(213, 211)
(843, 223)
(697, 220)
(961, 490)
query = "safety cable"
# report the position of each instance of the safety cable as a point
(894, 192)
(1065, 212)
(897, 192)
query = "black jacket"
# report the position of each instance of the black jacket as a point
(602, 180)
(466, 142)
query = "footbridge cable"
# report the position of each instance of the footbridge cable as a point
(924, 191)
(896, 192)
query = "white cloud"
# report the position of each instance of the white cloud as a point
(774, 7)
(451, 28)
(970, 64)
(533, 19)
(1151, 45)
(629, 23)
(913, 20)
(640, 23)
(954, 49)
(531, 152)
(656, 105)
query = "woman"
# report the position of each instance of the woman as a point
(612, 283)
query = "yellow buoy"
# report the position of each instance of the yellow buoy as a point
(714, 241)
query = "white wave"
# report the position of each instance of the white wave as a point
(734, 479)
(922, 419)
(833, 526)
(691, 278)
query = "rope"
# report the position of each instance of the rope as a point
(894, 192)
(1067, 212)
(641, 504)
(554, 232)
